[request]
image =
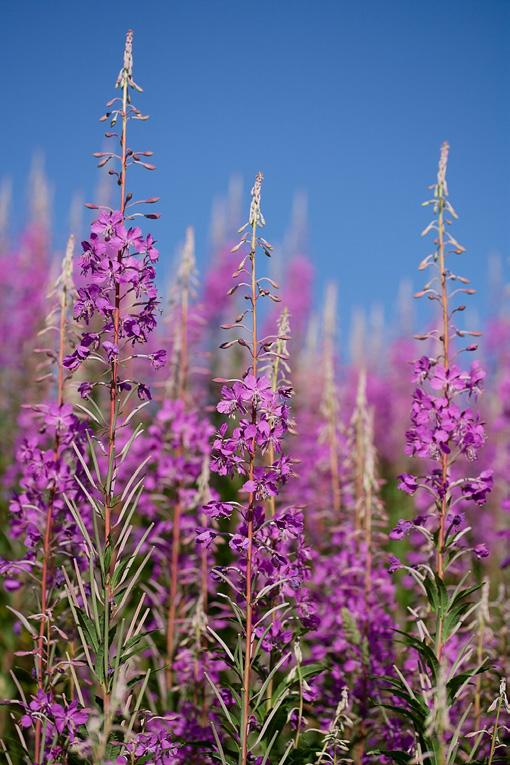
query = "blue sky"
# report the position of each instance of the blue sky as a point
(348, 101)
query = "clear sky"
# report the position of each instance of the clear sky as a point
(348, 101)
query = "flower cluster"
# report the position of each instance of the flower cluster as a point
(118, 265)
(447, 435)
(260, 419)
(48, 466)
(441, 422)
(61, 721)
(444, 424)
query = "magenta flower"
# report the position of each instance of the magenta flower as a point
(481, 551)
(402, 528)
(67, 719)
(408, 483)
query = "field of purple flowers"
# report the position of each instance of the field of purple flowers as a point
(225, 539)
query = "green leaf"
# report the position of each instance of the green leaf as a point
(432, 594)
(453, 617)
(403, 712)
(119, 570)
(106, 557)
(259, 697)
(90, 629)
(442, 594)
(309, 670)
(222, 703)
(424, 650)
(401, 758)
(417, 704)
(462, 595)
(136, 640)
(458, 681)
(218, 744)
(99, 664)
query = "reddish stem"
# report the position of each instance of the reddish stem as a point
(44, 625)
(445, 462)
(116, 325)
(108, 495)
(249, 520)
(445, 340)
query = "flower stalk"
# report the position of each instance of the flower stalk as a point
(124, 79)
(121, 296)
(186, 272)
(64, 288)
(444, 430)
(255, 215)
(441, 192)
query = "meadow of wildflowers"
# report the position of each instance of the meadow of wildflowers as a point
(224, 539)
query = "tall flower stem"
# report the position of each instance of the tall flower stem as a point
(116, 311)
(445, 342)
(251, 501)
(495, 730)
(443, 430)
(44, 625)
(123, 81)
(444, 338)
(182, 361)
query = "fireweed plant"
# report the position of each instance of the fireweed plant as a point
(191, 582)
(47, 454)
(116, 303)
(446, 433)
(265, 578)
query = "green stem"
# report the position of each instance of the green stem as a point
(495, 732)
